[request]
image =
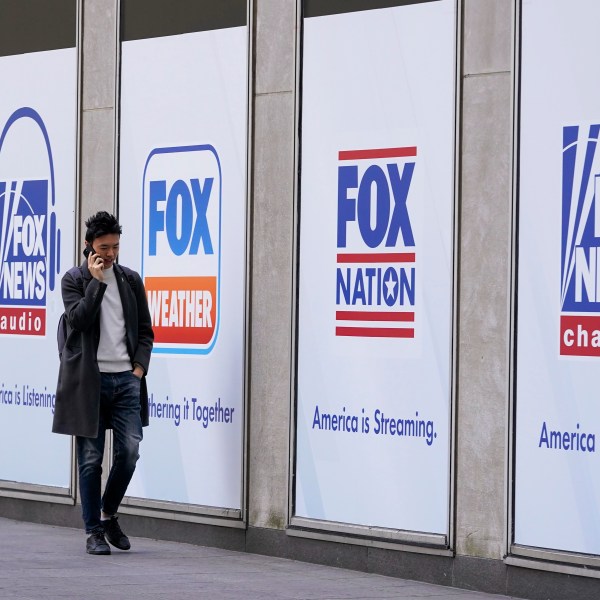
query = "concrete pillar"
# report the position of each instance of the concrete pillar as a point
(273, 179)
(98, 105)
(484, 284)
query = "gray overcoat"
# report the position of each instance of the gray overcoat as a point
(77, 405)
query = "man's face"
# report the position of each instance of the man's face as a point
(107, 248)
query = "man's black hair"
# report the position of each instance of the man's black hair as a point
(101, 224)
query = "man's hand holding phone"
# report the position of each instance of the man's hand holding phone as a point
(95, 263)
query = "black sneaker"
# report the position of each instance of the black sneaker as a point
(115, 535)
(96, 544)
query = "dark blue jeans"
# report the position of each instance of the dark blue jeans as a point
(119, 410)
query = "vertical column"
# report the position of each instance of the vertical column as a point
(484, 284)
(98, 103)
(272, 224)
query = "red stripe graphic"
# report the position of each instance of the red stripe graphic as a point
(377, 153)
(361, 315)
(385, 257)
(577, 334)
(375, 332)
(23, 320)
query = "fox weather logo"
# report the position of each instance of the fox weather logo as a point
(580, 242)
(181, 254)
(29, 238)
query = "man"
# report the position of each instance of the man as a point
(101, 381)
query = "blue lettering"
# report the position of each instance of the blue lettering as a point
(158, 193)
(390, 281)
(372, 206)
(347, 179)
(400, 219)
(184, 230)
(201, 231)
(179, 191)
(567, 440)
(374, 176)
(406, 287)
(374, 285)
(359, 289)
(343, 286)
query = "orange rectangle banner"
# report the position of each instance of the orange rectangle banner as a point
(183, 309)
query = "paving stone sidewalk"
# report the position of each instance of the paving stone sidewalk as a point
(44, 562)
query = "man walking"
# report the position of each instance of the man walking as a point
(101, 381)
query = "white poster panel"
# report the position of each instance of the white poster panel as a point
(38, 120)
(182, 205)
(557, 466)
(375, 268)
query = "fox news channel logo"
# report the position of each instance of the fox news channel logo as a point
(580, 242)
(181, 247)
(376, 258)
(29, 237)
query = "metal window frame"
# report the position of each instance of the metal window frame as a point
(177, 511)
(544, 559)
(27, 490)
(380, 537)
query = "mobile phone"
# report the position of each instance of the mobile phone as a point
(88, 250)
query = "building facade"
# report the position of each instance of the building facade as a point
(367, 232)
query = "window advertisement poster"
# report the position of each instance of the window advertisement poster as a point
(182, 205)
(38, 152)
(557, 413)
(376, 210)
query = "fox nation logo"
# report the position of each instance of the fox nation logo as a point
(580, 242)
(375, 274)
(29, 237)
(181, 248)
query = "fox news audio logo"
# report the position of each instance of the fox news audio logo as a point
(29, 238)
(181, 257)
(580, 243)
(375, 275)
